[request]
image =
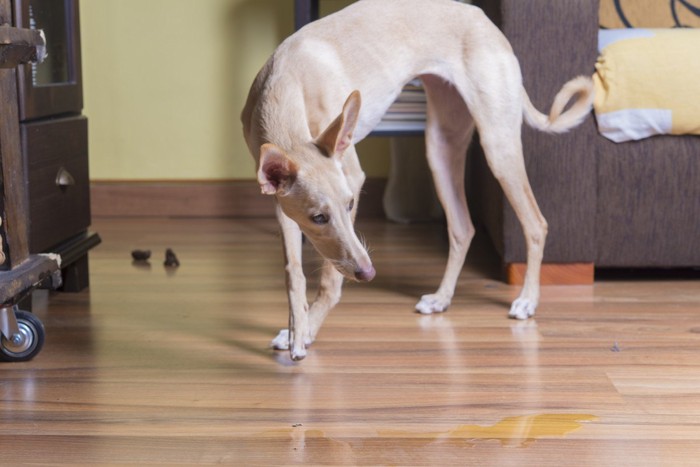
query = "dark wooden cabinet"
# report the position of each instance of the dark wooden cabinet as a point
(55, 86)
(51, 214)
(56, 167)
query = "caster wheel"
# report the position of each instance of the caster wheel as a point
(25, 345)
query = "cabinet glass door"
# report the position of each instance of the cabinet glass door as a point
(50, 16)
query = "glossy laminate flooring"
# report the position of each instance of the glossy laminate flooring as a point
(171, 366)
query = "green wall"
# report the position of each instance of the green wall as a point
(165, 81)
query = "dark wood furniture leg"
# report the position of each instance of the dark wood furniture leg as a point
(305, 11)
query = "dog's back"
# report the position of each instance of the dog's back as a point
(376, 47)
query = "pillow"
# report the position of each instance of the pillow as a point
(647, 82)
(649, 13)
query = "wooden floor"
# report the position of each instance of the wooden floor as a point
(172, 366)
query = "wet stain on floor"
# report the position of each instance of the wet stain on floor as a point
(511, 431)
(310, 445)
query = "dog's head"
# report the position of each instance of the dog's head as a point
(316, 190)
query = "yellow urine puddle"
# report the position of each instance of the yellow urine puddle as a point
(511, 431)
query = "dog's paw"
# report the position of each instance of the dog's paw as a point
(281, 342)
(522, 308)
(432, 303)
(298, 352)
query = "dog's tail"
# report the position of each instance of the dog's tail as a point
(560, 121)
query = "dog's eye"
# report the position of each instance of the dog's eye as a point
(320, 219)
(351, 205)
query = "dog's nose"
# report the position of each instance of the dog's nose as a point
(365, 275)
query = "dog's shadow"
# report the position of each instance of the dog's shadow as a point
(483, 264)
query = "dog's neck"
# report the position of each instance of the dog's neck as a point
(283, 116)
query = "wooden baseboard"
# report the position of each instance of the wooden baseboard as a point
(232, 198)
(553, 273)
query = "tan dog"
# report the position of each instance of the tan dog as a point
(306, 154)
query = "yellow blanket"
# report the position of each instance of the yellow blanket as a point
(647, 82)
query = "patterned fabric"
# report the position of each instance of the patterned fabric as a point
(649, 13)
(649, 93)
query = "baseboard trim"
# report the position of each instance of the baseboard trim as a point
(553, 273)
(231, 198)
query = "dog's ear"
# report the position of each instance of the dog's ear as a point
(338, 136)
(277, 172)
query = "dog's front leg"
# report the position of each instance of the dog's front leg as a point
(328, 296)
(296, 337)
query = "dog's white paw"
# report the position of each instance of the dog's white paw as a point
(281, 342)
(432, 303)
(522, 308)
(298, 352)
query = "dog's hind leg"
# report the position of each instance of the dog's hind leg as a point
(448, 132)
(499, 131)
(511, 174)
(296, 337)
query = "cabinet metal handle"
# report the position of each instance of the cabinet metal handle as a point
(64, 178)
